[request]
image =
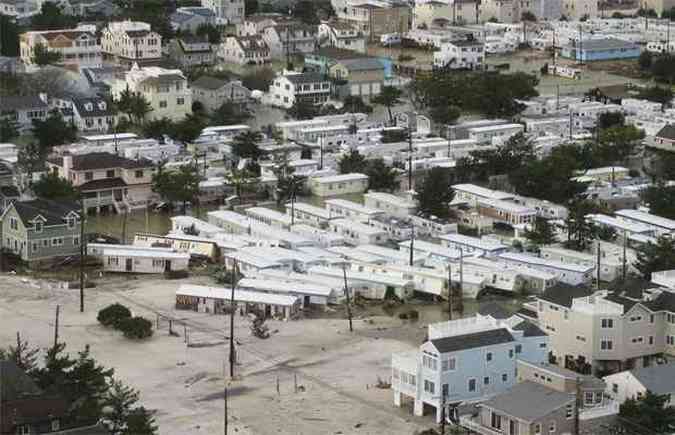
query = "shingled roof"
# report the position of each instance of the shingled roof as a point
(472, 340)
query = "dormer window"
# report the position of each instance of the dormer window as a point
(102, 105)
(38, 227)
(71, 222)
(88, 107)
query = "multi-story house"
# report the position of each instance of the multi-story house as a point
(190, 18)
(107, 181)
(461, 54)
(311, 88)
(577, 9)
(443, 13)
(465, 360)
(290, 38)
(213, 92)
(130, 42)
(608, 331)
(41, 229)
(244, 50)
(362, 77)
(190, 51)
(375, 19)
(339, 34)
(23, 110)
(501, 10)
(227, 11)
(665, 138)
(78, 47)
(255, 23)
(92, 114)
(166, 90)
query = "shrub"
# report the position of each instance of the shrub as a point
(113, 315)
(136, 327)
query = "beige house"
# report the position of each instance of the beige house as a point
(338, 184)
(190, 51)
(244, 50)
(608, 331)
(342, 35)
(577, 9)
(78, 48)
(362, 77)
(107, 181)
(166, 90)
(213, 92)
(375, 20)
(436, 14)
(130, 42)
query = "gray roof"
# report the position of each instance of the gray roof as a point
(667, 132)
(606, 44)
(659, 379)
(473, 340)
(22, 102)
(55, 212)
(306, 78)
(80, 103)
(529, 329)
(208, 82)
(493, 309)
(362, 64)
(562, 294)
(529, 401)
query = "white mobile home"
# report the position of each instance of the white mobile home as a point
(610, 268)
(269, 217)
(308, 213)
(621, 226)
(338, 184)
(323, 238)
(352, 255)
(250, 265)
(492, 133)
(217, 300)
(135, 259)
(369, 285)
(473, 245)
(314, 293)
(349, 209)
(661, 226)
(506, 211)
(392, 256)
(471, 194)
(193, 245)
(291, 259)
(572, 274)
(391, 204)
(396, 229)
(438, 255)
(432, 226)
(184, 224)
(356, 233)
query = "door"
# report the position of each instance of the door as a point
(305, 302)
(167, 265)
(129, 264)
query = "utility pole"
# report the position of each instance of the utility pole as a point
(83, 251)
(581, 46)
(570, 109)
(598, 265)
(577, 404)
(442, 412)
(410, 150)
(56, 327)
(349, 309)
(449, 291)
(557, 97)
(461, 271)
(412, 242)
(624, 264)
(225, 410)
(233, 308)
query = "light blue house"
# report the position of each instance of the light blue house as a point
(601, 49)
(465, 360)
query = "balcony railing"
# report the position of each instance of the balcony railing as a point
(467, 422)
(610, 408)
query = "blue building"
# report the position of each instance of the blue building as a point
(601, 49)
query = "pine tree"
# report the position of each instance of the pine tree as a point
(119, 404)
(542, 233)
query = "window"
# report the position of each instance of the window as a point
(38, 227)
(162, 104)
(505, 377)
(76, 241)
(606, 344)
(636, 318)
(566, 315)
(180, 101)
(488, 356)
(510, 353)
(519, 348)
(36, 246)
(588, 398)
(13, 223)
(651, 339)
(448, 364)
(70, 222)
(138, 174)
(496, 421)
(651, 318)
(670, 340)
(542, 345)
(607, 323)
(486, 380)
(472, 385)
(88, 176)
(429, 387)
(110, 173)
(569, 411)
(429, 362)
(551, 427)
(537, 428)
(615, 388)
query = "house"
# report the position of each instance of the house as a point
(190, 18)
(568, 273)
(308, 293)
(375, 19)
(352, 210)
(356, 233)
(269, 216)
(526, 408)
(308, 88)
(621, 226)
(166, 90)
(217, 300)
(366, 284)
(577, 9)
(213, 92)
(507, 212)
(22, 110)
(190, 51)
(227, 11)
(323, 238)
(460, 54)
(464, 360)
(393, 205)
(140, 259)
(338, 184)
(473, 245)
(41, 229)
(589, 50)
(311, 214)
(245, 50)
(339, 34)
(665, 138)
(362, 77)
(629, 327)
(289, 38)
(658, 379)
(79, 48)
(27, 409)
(107, 182)
(471, 194)
(196, 246)
(254, 24)
(92, 114)
(611, 267)
(489, 134)
(131, 42)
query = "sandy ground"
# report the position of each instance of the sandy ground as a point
(335, 370)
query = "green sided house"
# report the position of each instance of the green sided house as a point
(41, 229)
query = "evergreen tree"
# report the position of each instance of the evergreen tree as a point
(655, 257)
(352, 162)
(389, 97)
(245, 145)
(652, 412)
(542, 233)
(177, 186)
(381, 176)
(435, 193)
(23, 355)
